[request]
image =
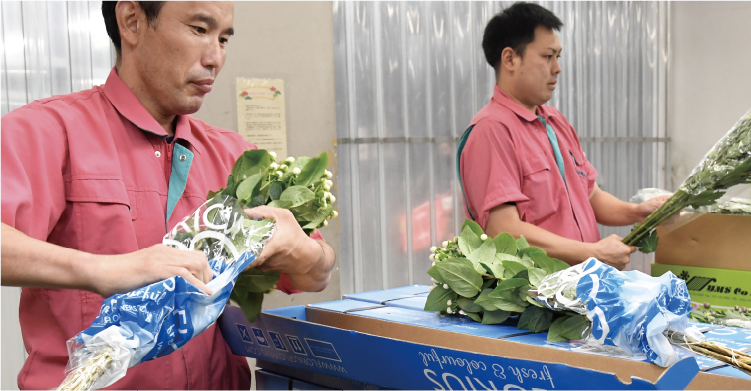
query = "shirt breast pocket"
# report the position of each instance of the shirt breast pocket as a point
(102, 211)
(581, 170)
(537, 187)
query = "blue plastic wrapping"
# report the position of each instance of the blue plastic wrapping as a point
(160, 318)
(629, 310)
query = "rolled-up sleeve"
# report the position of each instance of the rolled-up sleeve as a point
(490, 169)
(33, 160)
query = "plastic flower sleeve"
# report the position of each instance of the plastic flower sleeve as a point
(629, 310)
(160, 318)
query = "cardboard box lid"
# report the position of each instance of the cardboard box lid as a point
(710, 240)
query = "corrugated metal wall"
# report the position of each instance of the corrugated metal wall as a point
(47, 48)
(410, 76)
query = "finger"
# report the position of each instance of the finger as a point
(184, 273)
(632, 249)
(262, 212)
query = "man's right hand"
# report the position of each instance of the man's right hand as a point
(127, 272)
(612, 251)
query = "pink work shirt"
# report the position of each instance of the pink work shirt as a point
(509, 159)
(92, 171)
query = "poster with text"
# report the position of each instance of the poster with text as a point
(261, 113)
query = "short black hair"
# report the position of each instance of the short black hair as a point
(515, 27)
(150, 8)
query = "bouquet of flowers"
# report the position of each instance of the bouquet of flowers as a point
(491, 280)
(158, 319)
(727, 164)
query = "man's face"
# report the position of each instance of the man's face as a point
(538, 71)
(179, 58)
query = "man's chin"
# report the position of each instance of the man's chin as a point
(191, 106)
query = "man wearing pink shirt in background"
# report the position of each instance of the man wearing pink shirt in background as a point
(92, 181)
(520, 162)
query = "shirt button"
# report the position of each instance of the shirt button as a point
(182, 158)
(158, 154)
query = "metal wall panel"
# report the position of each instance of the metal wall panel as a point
(411, 75)
(48, 48)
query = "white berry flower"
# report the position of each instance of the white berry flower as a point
(445, 286)
(433, 263)
(438, 312)
(283, 166)
(483, 237)
(431, 257)
(336, 214)
(330, 183)
(274, 165)
(448, 311)
(290, 159)
(332, 198)
(328, 174)
(273, 154)
(432, 249)
(296, 171)
(431, 288)
(445, 244)
(448, 302)
(325, 223)
(326, 186)
(279, 173)
(434, 281)
(462, 312)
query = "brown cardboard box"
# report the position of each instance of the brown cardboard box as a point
(709, 240)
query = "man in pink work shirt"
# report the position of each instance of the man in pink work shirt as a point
(520, 162)
(92, 181)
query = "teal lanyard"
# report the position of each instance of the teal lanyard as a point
(556, 149)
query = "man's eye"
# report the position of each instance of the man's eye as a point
(223, 40)
(200, 30)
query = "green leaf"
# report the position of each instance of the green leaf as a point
(555, 333)
(313, 171)
(505, 243)
(532, 252)
(250, 302)
(522, 243)
(559, 265)
(475, 317)
(248, 188)
(506, 288)
(297, 195)
(280, 204)
(545, 263)
(276, 189)
(527, 261)
(433, 272)
(648, 244)
(512, 268)
(535, 319)
(576, 327)
(705, 199)
(300, 163)
(531, 300)
(468, 305)
(253, 280)
(257, 201)
(484, 301)
(469, 241)
(251, 162)
(536, 275)
(460, 275)
(500, 257)
(438, 298)
(503, 304)
(473, 226)
(320, 216)
(488, 283)
(495, 268)
(495, 317)
(485, 253)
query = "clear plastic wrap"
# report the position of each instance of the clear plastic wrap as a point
(647, 194)
(629, 310)
(160, 318)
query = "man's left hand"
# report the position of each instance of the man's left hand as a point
(647, 207)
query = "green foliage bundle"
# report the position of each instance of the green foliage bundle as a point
(301, 185)
(726, 165)
(492, 279)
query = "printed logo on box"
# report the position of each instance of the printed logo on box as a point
(322, 349)
(260, 337)
(296, 345)
(276, 339)
(244, 333)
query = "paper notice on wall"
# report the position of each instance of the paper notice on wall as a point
(261, 113)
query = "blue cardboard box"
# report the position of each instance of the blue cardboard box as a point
(384, 339)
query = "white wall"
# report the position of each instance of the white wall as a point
(709, 77)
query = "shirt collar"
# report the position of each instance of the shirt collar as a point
(504, 99)
(128, 105)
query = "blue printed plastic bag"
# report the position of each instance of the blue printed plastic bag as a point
(629, 310)
(160, 318)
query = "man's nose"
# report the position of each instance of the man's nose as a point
(556, 67)
(213, 57)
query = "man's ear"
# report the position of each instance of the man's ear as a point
(509, 60)
(129, 21)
